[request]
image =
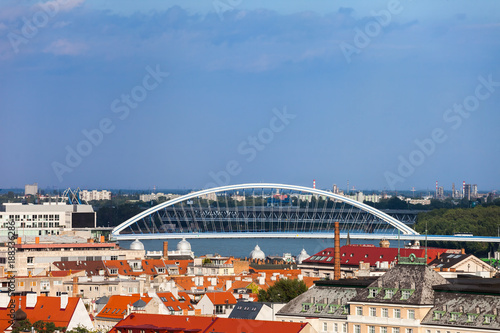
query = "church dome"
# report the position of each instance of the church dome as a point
(136, 245)
(184, 246)
(302, 256)
(257, 253)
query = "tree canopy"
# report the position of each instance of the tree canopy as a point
(283, 291)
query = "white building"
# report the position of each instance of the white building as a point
(45, 219)
(157, 196)
(31, 189)
(95, 195)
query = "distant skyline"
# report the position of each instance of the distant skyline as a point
(183, 94)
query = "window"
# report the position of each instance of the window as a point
(385, 312)
(306, 307)
(357, 328)
(397, 313)
(336, 327)
(409, 330)
(359, 311)
(114, 257)
(373, 292)
(406, 293)
(437, 315)
(411, 314)
(344, 328)
(428, 331)
(371, 329)
(488, 318)
(325, 327)
(319, 307)
(471, 317)
(454, 316)
(20, 284)
(389, 293)
(29, 260)
(383, 329)
(373, 312)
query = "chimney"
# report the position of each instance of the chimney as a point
(463, 251)
(19, 240)
(37, 240)
(64, 300)
(75, 286)
(102, 239)
(30, 300)
(336, 272)
(4, 300)
(314, 183)
(165, 250)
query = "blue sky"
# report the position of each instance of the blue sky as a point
(189, 94)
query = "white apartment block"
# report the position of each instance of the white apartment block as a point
(95, 195)
(45, 219)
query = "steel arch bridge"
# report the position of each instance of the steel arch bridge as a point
(259, 210)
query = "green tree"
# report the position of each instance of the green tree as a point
(283, 291)
(47, 327)
(22, 326)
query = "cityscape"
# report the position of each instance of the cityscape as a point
(249, 166)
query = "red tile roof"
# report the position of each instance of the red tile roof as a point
(178, 304)
(352, 255)
(46, 308)
(182, 324)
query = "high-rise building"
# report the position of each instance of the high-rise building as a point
(335, 189)
(440, 192)
(31, 189)
(453, 190)
(467, 191)
(474, 191)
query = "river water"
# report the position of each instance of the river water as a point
(241, 248)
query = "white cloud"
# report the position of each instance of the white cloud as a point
(65, 47)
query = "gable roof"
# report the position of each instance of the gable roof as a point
(46, 308)
(220, 298)
(183, 302)
(246, 310)
(116, 308)
(91, 267)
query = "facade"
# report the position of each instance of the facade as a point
(45, 219)
(211, 265)
(95, 195)
(31, 189)
(325, 306)
(217, 303)
(462, 263)
(33, 259)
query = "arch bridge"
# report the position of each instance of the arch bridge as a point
(261, 210)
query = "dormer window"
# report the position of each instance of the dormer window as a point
(389, 293)
(372, 292)
(406, 293)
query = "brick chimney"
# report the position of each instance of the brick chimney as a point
(165, 250)
(75, 286)
(336, 272)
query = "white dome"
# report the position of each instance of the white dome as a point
(136, 245)
(257, 253)
(302, 256)
(184, 246)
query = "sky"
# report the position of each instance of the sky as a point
(194, 94)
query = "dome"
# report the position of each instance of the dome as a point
(302, 256)
(184, 246)
(136, 245)
(257, 253)
(384, 243)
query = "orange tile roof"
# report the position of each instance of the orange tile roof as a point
(122, 266)
(116, 308)
(176, 303)
(46, 308)
(184, 324)
(218, 298)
